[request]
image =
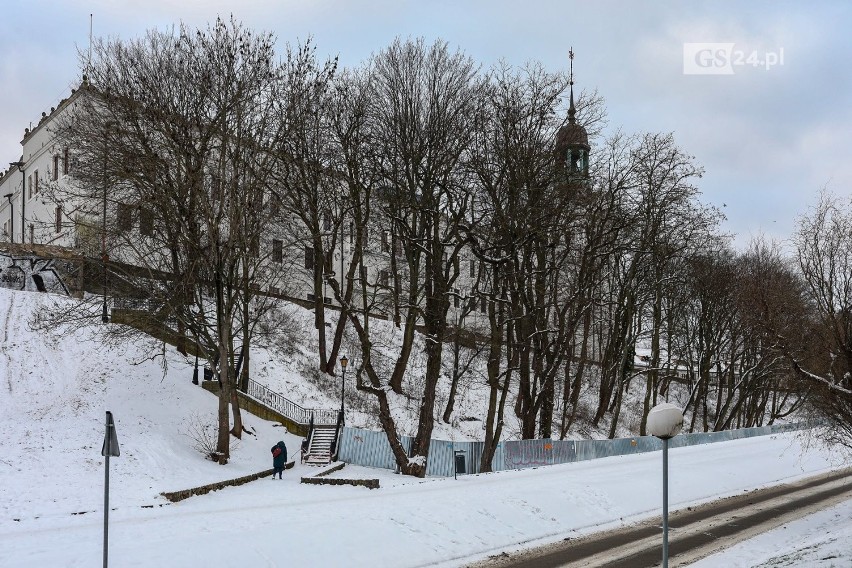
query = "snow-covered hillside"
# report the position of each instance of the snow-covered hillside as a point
(56, 390)
(54, 395)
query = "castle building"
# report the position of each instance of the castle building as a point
(32, 213)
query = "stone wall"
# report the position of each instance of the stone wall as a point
(320, 479)
(250, 405)
(175, 496)
(368, 483)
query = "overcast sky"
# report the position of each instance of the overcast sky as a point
(769, 139)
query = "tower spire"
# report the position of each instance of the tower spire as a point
(571, 110)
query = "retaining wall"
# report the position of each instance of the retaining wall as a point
(249, 404)
(175, 496)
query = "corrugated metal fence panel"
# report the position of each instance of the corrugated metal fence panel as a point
(592, 449)
(738, 434)
(778, 428)
(477, 448)
(699, 438)
(368, 448)
(440, 458)
(499, 461)
(473, 455)
(522, 454)
(649, 444)
(365, 447)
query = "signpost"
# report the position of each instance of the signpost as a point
(110, 448)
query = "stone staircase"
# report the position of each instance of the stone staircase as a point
(320, 425)
(319, 449)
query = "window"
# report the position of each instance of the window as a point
(56, 167)
(351, 233)
(311, 298)
(215, 186)
(309, 258)
(35, 182)
(124, 217)
(385, 241)
(30, 186)
(277, 250)
(274, 205)
(32, 233)
(66, 165)
(6, 228)
(472, 268)
(326, 221)
(384, 277)
(483, 306)
(146, 222)
(456, 298)
(58, 220)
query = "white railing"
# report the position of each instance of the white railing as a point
(288, 408)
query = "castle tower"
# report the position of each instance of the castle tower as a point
(572, 140)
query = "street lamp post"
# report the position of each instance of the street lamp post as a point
(104, 256)
(195, 371)
(665, 421)
(343, 363)
(11, 217)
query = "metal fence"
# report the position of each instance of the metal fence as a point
(370, 448)
(290, 409)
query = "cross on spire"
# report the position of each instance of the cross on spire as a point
(571, 64)
(571, 110)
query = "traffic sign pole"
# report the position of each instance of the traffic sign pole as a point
(110, 448)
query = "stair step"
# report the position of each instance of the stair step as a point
(319, 451)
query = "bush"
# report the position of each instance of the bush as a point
(202, 431)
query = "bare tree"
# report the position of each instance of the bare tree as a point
(175, 132)
(820, 348)
(422, 104)
(309, 191)
(664, 216)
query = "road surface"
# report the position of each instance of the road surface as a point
(694, 532)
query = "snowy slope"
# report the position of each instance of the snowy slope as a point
(55, 393)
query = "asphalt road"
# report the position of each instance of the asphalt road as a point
(694, 532)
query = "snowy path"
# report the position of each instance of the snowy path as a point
(696, 532)
(7, 347)
(821, 540)
(433, 522)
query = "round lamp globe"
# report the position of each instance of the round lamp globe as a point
(665, 421)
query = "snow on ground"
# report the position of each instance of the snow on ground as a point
(53, 396)
(822, 540)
